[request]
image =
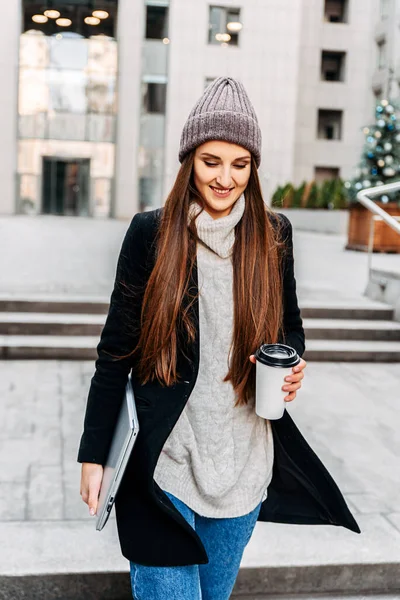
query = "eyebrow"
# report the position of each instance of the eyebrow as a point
(214, 156)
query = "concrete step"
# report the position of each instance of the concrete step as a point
(351, 329)
(376, 311)
(71, 347)
(31, 323)
(352, 350)
(41, 347)
(365, 309)
(54, 304)
(69, 560)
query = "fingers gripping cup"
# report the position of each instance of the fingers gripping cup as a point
(273, 363)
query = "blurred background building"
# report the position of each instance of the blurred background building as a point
(95, 92)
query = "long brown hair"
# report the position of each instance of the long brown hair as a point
(257, 286)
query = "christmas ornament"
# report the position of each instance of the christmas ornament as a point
(389, 172)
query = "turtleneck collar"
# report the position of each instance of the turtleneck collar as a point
(218, 234)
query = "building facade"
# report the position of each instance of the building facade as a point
(98, 92)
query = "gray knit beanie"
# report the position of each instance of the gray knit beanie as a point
(223, 112)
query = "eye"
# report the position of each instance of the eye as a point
(215, 164)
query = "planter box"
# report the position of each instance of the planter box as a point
(385, 238)
(318, 220)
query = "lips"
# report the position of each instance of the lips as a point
(219, 193)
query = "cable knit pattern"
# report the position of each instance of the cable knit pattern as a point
(218, 458)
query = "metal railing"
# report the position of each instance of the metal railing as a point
(364, 197)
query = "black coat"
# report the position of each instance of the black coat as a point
(151, 530)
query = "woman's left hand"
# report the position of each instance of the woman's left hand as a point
(292, 382)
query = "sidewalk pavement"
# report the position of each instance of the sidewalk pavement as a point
(349, 413)
(71, 256)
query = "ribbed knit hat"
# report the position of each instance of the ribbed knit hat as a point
(223, 112)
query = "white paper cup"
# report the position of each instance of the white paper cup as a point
(273, 363)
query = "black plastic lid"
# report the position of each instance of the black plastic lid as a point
(277, 355)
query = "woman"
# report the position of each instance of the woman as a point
(200, 284)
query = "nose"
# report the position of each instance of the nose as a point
(224, 178)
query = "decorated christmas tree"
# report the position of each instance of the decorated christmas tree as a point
(380, 160)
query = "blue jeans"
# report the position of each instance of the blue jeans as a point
(224, 541)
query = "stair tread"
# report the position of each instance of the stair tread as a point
(68, 299)
(312, 323)
(364, 345)
(91, 341)
(49, 341)
(361, 305)
(31, 317)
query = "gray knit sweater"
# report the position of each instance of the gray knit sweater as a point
(218, 458)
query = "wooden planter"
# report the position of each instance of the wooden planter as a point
(385, 238)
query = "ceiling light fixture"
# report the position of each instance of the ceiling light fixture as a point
(233, 26)
(100, 14)
(64, 22)
(92, 20)
(52, 14)
(39, 19)
(222, 37)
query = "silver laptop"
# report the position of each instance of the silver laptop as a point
(123, 440)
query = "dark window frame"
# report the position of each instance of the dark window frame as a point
(227, 10)
(156, 29)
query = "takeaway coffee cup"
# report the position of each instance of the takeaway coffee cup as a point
(273, 363)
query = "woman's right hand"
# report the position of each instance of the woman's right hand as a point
(91, 478)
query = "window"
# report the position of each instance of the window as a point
(147, 193)
(156, 22)
(377, 98)
(154, 97)
(336, 11)
(322, 174)
(384, 9)
(332, 66)
(330, 124)
(381, 57)
(207, 81)
(224, 26)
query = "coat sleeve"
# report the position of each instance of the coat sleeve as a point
(292, 321)
(108, 383)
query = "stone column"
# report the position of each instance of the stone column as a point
(130, 39)
(9, 52)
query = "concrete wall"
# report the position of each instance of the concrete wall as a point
(320, 221)
(266, 61)
(354, 95)
(384, 286)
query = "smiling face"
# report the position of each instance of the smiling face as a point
(221, 174)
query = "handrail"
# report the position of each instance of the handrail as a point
(364, 197)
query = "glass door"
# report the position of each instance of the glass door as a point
(65, 188)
